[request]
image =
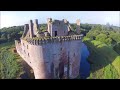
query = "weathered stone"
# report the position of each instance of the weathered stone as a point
(40, 53)
(78, 26)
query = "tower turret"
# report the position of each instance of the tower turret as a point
(35, 26)
(49, 23)
(26, 28)
(31, 28)
(78, 26)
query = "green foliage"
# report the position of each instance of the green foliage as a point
(43, 27)
(11, 33)
(84, 28)
(102, 37)
(115, 36)
(105, 35)
(108, 41)
(104, 45)
(104, 61)
(92, 34)
(117, 48)
(9, 66)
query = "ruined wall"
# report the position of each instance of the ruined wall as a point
(26, 29)
(61, 27)
(35, 26)
(31, 29)
(41, 57)
(23, 51)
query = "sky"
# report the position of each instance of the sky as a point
(16, 18)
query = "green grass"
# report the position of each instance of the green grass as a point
(10, 67)
(104, 61)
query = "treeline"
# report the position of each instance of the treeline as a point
(104, 45)
(11, 33)
(110, 36)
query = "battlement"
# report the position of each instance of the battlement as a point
(40, 41)
(54, 53)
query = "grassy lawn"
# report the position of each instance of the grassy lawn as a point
(104, 61)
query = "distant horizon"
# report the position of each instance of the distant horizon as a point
(19, 18)
(46, 23)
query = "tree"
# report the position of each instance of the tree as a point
(9, 37)
(101, 37)
(108, 41)
(4, 36)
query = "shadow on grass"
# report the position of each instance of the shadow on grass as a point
(29, 74)
(101, 55)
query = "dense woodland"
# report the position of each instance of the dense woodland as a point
(104, 46)
(103, 42)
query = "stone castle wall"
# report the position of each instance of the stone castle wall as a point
(60, 27)
(40, 56)
(57, 56)
(39, 41)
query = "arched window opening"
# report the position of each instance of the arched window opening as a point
(52, 70)
(61, 70)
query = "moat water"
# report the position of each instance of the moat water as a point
(84, 64)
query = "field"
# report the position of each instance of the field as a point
(104, 61)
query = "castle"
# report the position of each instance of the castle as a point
(54, 53)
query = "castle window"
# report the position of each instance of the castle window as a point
(61, 49)
(55, 33)
(23, 44)
(28, 55)
(52, 70)
(61, 70)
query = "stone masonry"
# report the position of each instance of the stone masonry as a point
(54, 57)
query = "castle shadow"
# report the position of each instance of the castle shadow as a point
(28, 72)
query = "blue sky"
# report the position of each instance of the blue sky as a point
(15, 18)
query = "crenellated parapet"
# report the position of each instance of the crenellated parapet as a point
(40, 41)
(54, 53)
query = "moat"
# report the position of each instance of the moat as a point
(84, 64)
